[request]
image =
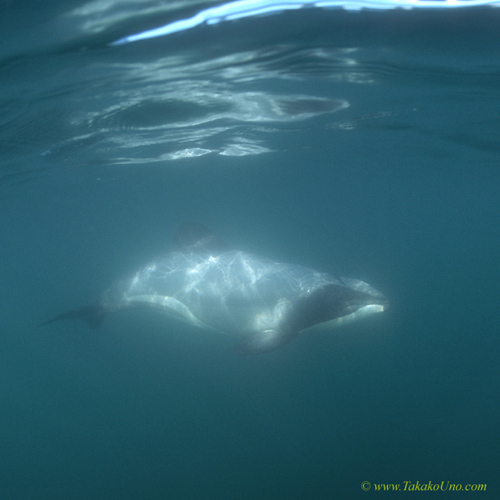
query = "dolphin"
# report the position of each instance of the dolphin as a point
(207, 284)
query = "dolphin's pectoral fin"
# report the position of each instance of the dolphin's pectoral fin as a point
(265, 341)
(93, 315)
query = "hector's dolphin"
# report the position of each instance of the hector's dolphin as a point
(209, 285)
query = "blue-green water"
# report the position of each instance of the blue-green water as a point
(364, 143)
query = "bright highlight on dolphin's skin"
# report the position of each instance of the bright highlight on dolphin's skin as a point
(211, 286)
(248, 8)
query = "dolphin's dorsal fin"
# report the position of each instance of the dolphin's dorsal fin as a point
(195, 237)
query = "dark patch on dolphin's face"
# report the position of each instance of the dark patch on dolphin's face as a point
(331, 302)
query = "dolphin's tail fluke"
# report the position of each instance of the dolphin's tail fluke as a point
(93, 315)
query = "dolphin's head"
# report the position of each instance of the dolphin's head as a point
(337, 303)
(361, 300)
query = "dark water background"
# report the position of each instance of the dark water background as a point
(245, 127)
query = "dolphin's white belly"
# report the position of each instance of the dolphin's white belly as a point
(233, 292)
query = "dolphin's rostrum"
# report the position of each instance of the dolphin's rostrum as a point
(209, 285)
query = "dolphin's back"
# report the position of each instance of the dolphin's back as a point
(235, 292)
